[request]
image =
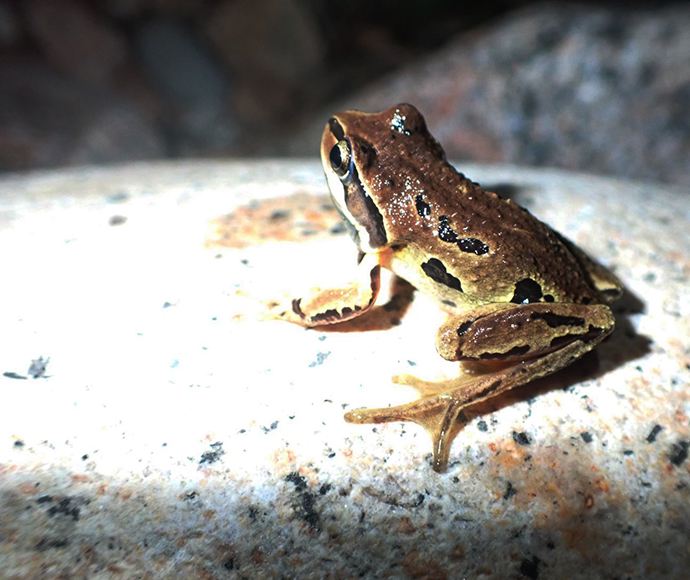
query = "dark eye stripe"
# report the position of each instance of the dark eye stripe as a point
(360, 205)
(364, 210)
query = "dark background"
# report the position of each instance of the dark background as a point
(600, 87)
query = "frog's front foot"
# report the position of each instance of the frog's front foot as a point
(321, 306)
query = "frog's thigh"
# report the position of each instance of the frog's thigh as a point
(438, 410)
(510, 334)
(328, 306)
(516, 332)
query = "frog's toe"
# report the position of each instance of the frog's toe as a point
(410, 381)
(429, 388)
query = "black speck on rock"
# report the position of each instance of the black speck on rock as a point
(229, 564)
(521, 438)
(209, 457)
(51, 544)
(65, 507)
(679, 452)
(38, 366)
(510, 491)
(320, 357)
(651, 438)
(297, 480)
(117, 220)
(214, 455)
(273, 426)
(482, 426)
(586, 437)
(530, 567)
(418, 501)
(307, 499)
(279, 214)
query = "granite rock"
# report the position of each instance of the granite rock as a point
(154, 426)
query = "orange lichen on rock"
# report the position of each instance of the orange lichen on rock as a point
(282, 219)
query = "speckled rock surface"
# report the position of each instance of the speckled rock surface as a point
(172, 433)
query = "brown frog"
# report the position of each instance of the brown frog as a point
(523, 301)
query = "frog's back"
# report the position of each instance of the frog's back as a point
(490, 249)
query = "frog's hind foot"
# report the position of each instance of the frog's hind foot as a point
(437, 414)
(441, 402)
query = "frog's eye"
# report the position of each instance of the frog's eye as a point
(340, 158)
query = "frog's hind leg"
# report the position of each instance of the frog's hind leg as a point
(440, 403)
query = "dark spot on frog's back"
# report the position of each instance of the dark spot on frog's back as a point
(526, 292)
(423, 208)
(445, 232)
(435, 270)
(449, 235)
(473, 246)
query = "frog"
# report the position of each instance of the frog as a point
(521, 300)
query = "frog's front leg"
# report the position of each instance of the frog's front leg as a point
(331, 305)
(515, 344)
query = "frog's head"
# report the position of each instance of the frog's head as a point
(372, 163)
(343, 155)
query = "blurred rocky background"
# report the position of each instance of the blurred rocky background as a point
(601, 87)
